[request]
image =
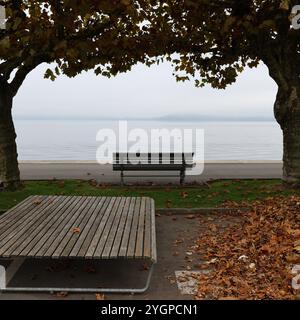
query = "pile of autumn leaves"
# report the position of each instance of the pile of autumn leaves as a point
(253, 257)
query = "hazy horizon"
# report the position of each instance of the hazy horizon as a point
(167, 118)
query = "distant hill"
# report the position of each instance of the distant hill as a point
(168, 118)
(197, 117)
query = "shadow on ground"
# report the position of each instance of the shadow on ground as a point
(175, 234)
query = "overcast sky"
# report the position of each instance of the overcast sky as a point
(143, 93)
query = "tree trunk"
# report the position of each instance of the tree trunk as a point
(287, 113)
(9, 170)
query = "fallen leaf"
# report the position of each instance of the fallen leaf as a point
(76, 230)
(62, 294)
(265, 249)
(297, 248)
(145, 267)
(90, 269)
(184, 194)
(293, 258)
(297, 243)
(243, 257)
(178, 241)
(190, 216)
(296, 234)
(169, 204)
(252, 266)
(100, 296)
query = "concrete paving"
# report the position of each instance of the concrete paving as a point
(86, 170)
(175, 235)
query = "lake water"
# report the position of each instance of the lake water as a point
(76, 140)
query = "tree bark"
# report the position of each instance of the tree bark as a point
(283, 63)
(9, 170)
(287, 114)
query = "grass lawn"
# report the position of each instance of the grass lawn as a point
(165, 197)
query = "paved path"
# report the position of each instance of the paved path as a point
(103, 173)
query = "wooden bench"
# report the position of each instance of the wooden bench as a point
(77, 228)
(153, 162)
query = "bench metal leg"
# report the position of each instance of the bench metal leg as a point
(4, 288)
(122, 178)
(182, 176)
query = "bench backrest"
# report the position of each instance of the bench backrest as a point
(153, 158)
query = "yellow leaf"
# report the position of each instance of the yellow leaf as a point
(284, 5)
(99, 296)
(297, 248)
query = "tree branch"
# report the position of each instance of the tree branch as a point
(22, 73)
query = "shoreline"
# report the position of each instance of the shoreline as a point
(88, 170)
(95, 162)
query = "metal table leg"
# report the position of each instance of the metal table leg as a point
(4, 288)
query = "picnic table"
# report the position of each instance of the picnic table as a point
(77, 227)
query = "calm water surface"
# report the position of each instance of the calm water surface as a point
(76, 140)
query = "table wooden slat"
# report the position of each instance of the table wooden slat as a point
(153, 232)
(43, 233)
(68, 230)
(50, 235)
(89, 225)
(21, 226)
(133, 230)
(16, 211)
(14, 218)
(72, 214)
(97, 236)
(127, 229)
(92, 205)
(139, 249)
(94, 231)
(109, 230)
(147, 233)
(113, 242)
(33, 232)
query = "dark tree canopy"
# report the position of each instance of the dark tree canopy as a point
(107, 36)
(217, 39)
(76, 35)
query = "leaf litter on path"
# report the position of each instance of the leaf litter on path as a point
(253, 256)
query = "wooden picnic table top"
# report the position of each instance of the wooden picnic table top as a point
(79, 227)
